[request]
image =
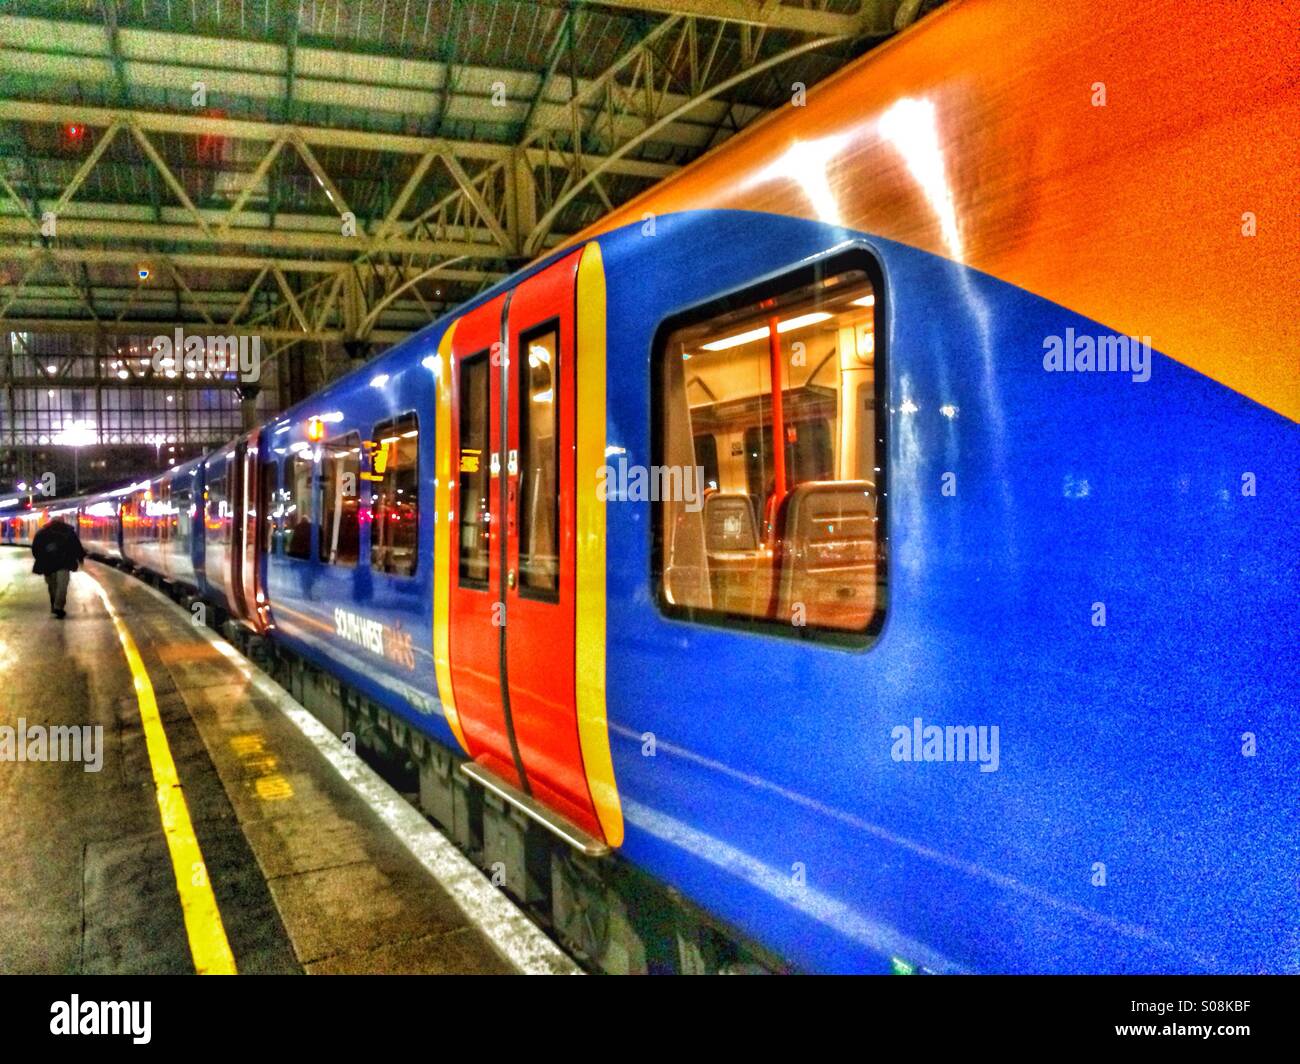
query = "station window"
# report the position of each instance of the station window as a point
(475, 516)
(340, 478)
(297, 505)
(770, 509)
(395, 497)
(539, 449)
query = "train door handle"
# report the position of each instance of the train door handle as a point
(510, 579)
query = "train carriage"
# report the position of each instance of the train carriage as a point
(845, 537)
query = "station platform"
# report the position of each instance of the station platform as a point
(208, 823)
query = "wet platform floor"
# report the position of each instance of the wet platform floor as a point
(306, 875)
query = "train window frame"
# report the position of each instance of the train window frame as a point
(288, 471)
(777, 283)
(392, 422)
(269, 525)
(322, 548)
(471, 583)
(524, 338)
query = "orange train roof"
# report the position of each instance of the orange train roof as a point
(974, 136)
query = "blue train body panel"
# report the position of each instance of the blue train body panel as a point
(774, 800)
(316, 606)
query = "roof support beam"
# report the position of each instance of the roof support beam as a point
(168, 325)
(105, 256)
(771, 14)
(315, 240)
(315, 136)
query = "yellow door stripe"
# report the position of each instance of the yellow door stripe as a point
(203, 926)
(443, 519)
(593, 727)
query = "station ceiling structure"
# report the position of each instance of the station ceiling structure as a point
(340, 172)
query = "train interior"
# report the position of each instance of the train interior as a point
(782, 536)
(388, 463)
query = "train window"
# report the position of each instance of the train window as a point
(270, 502)
(474, 514)
(218, 508)
(340, 476)
(539, 447)
(769, 456)
(182, 503)
(395, 497)
(162, 526)
(297, 505)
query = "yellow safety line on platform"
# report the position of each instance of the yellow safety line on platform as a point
(208, 944)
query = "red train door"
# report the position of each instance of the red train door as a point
(511, 556)
(538, 382)
(476, 613)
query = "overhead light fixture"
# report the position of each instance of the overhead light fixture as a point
(749, 336)
(865, 301)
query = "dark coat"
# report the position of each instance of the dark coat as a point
(55, 547)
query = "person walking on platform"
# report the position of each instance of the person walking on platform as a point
(59, 553)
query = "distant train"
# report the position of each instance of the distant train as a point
(758, 582)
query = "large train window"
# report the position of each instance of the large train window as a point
(297, 504)
(539, 449)
(768, 485)
(340, 478)
(474, 513)
(395, 497)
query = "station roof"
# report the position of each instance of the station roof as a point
(198, 161)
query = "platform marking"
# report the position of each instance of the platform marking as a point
(207, 935)
(515, 937)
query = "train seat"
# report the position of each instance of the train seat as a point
(739, 571)
(826, 564)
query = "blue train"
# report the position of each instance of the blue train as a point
(754, 587)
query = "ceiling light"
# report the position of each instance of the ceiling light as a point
(789, 325)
